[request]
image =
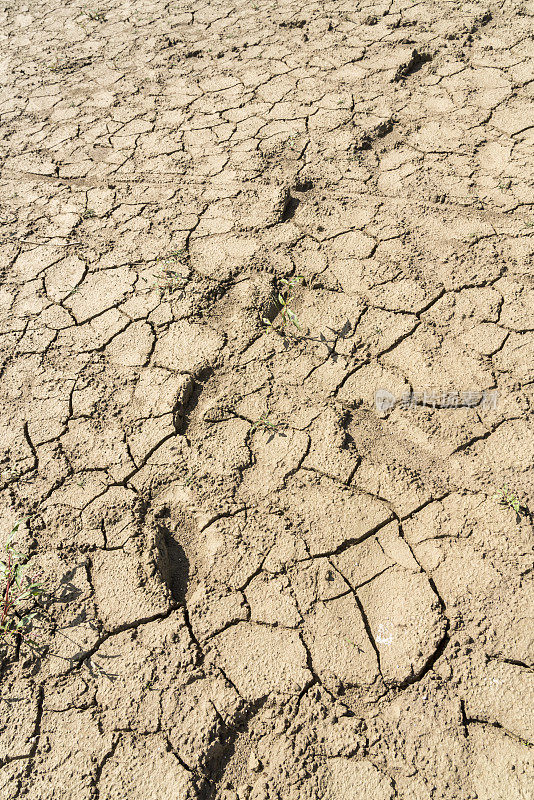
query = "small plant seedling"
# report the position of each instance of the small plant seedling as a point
(169, 281)
(284, 300)
(507, 498)
(285, 297)
(14, 474)
(16, 591)
(88, 213)
(96, 14)
(353, 644)
(176, 255)
(95, 668)
(264, 422)
(11, 474)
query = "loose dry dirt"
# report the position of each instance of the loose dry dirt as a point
(337, 608)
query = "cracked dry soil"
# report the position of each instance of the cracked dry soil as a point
(338, 608)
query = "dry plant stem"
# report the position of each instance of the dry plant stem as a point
(7, 603)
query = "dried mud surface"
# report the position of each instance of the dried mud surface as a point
(337, 609)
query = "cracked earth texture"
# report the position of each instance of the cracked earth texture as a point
(337, 608)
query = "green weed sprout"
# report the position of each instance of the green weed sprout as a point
(15, 590)
(95, 14)
(507, 498)
(170, 279)
(284, 300)
(264, 422)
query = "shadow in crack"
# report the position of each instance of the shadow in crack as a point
(182, 412)
(290, 208)
(329, 341)
(219, 767)
(176, 560)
